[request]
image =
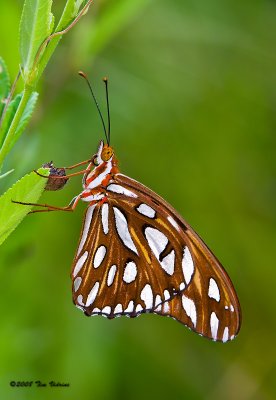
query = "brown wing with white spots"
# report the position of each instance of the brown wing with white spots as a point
(126, 263)
(208, 304)
(136, 254)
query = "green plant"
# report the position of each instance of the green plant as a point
(38, 38)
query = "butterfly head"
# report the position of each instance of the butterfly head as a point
(105, 154)
(105, 165)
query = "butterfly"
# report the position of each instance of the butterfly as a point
(137, 255)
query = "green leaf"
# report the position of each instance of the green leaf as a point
(25, 117)
(70, 11)
(35, 26)
(4, 84)
(28, 189)
(10, 112)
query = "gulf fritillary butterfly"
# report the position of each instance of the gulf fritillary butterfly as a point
(137, 255)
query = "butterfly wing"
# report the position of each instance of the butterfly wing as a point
(116, 271)
(136, 254)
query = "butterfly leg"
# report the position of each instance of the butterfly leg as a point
(47, 207)
(79, 164)
(85, 171)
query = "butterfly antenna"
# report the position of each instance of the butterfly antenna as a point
(83, 75)
(108, 110)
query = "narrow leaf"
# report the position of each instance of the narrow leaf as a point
(35, 26)
(4, 84)
(52, 23)
(25, 117)
(10, 112)
(70, 11)
(27, 189)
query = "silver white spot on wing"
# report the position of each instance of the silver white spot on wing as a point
(182, 286)
(157, 303)
(166, 294)
(158, 300)
(213, 291)
(111, 274)
(105, 218)
(187, 265)
(130, 272)
(173, 222)
(214, 324)
(120, 190)
(122, 229)
(130, 307)
(166, 307)
(225, 336)
(147, 296)
(80, 300)
(146, 210)
(99, 256)
(231, 308)
(92, 294)
(156, 240)
(118, 309)
(190, 309)
(168, 263)
(79, 263)
(77, 283)
(86, 226)
(138, 308)
(106, 310)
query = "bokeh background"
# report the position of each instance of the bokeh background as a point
(192, 90)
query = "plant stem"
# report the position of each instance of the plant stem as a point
(15, 122)
(6, 173)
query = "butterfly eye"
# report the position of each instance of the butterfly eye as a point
(95, 160)
(107, 153)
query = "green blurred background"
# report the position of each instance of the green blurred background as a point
(192, 90)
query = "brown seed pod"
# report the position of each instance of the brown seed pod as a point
(53, 182)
